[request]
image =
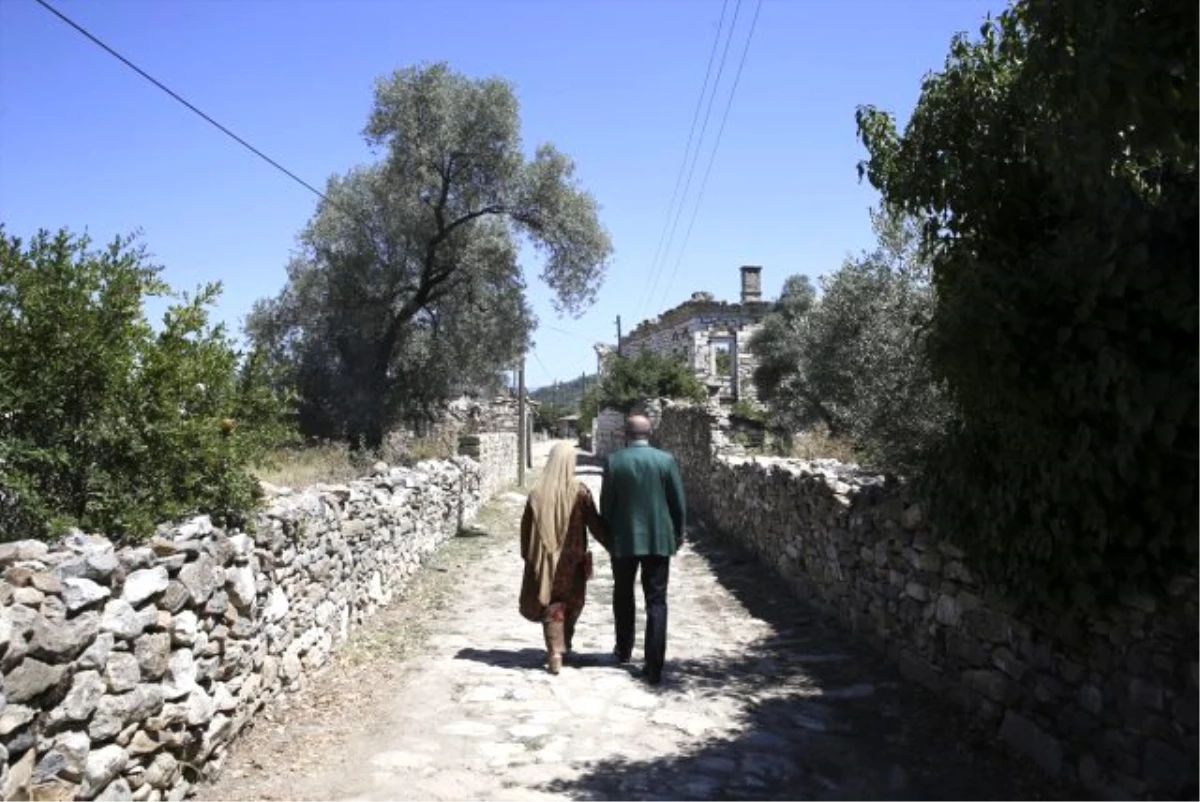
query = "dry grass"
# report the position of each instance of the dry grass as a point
(299, 467)
(819, 444)
(332, 463)
(423, 448)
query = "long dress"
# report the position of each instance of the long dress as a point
(569, 590)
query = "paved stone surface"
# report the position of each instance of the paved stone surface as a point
(763, 700)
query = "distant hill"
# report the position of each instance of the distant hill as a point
(564, 394)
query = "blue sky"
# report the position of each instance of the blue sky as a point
(86, 143)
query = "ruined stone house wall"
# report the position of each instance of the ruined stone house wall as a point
(608, 428)
(124, 666)
(1109, 702)
(496, 454)
(608, 432)
(460, 417)
(690, 332)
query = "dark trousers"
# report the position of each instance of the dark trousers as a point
(656, 570)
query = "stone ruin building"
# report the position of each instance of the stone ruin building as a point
(711, 336)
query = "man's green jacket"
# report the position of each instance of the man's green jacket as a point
(642, 501)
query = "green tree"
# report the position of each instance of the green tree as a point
(1052, 164)
(630, 380)
(865, 351)
(407, 284)
(566, 393)
(589, 407)
(855, 359)
(724, 362)
(548, 414)
(106, 424)
(777, 345)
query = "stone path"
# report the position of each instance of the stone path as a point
(763, 700)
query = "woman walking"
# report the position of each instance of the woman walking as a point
(554, 546)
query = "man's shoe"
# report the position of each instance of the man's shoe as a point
(622, 657)
(652, 677)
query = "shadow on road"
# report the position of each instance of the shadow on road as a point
(532, 658)
(505, 658)
(823, 718)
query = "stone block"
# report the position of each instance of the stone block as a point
(142, 584)
(990, 684)
(1027, 738)
(30, 679)
(1006, 661)
(966, 648)
(988, 626)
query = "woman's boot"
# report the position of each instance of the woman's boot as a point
(553, 631)
(568, 635)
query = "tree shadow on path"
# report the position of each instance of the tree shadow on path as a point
(823, 717)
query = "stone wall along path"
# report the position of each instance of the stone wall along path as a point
(125, 673)
(763, 700)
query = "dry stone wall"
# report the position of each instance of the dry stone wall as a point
(462, 416)
(1109, 701)
(127, 671)
(496, 453)
(608, 432)
(608, 428)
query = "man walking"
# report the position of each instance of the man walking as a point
(642, 502)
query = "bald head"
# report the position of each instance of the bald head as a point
(637, 427)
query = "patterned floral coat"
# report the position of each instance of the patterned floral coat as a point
(570, 575)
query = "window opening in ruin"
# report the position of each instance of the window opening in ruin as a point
(722, 358)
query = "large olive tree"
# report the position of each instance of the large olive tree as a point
(407, 285)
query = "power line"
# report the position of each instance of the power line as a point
(713, 155)
(712, 54)
(696, 156)
(177, 97)
(538, 359)
(564, 331)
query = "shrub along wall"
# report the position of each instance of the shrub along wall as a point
(127, 670)
(1108, 700)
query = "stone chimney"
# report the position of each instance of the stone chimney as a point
(751, 284)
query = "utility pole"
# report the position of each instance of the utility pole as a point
(618, 335)
(522, 436)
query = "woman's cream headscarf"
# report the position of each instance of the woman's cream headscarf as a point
(551, 502)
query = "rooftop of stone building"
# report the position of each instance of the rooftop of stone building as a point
(704, 302)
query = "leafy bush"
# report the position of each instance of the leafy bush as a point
(106, 424)
(867, 356)
(744, 409)
(630, 380)
(1052, 164)
(854, 362)
(777, 345)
